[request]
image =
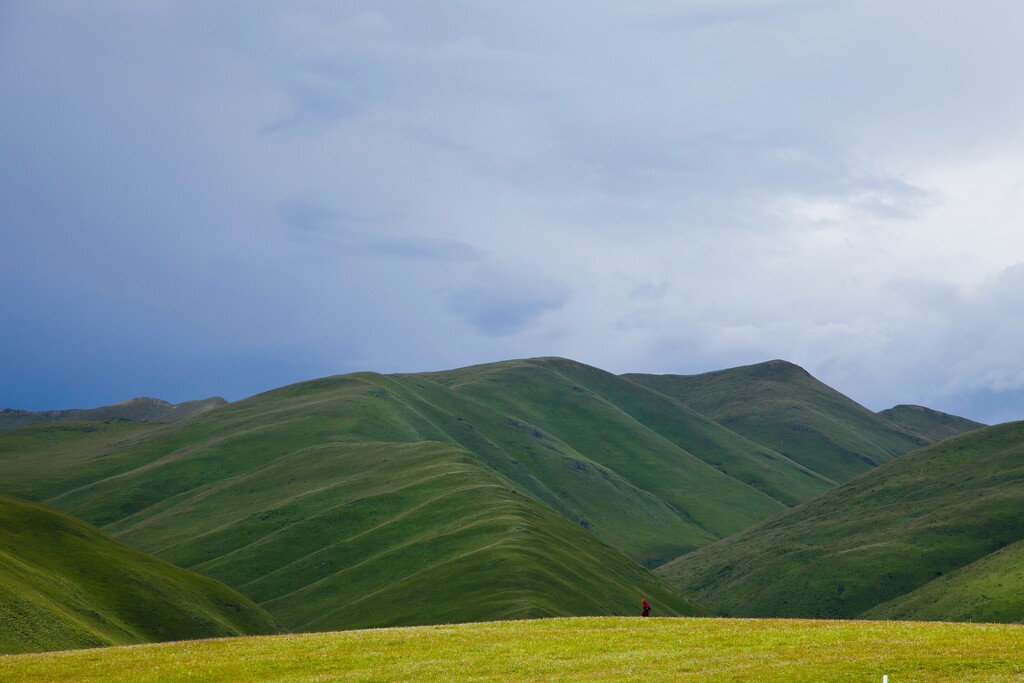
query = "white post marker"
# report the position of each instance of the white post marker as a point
(885, 678)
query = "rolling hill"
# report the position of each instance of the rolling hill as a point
(781, 406)
(591, 407)
(935, 534)
(64, 584)
(531, 488)
(383, 534)
(344, 502)
(133, 410)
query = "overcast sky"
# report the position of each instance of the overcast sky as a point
(221, 198)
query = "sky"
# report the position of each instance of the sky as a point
(222, 198)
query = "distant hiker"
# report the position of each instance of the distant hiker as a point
(647, 608)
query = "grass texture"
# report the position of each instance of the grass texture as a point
(577, 649)
(338, 534)
(989, 589)
(64, 584)
(922, 533)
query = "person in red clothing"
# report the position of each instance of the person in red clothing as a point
(647, 608)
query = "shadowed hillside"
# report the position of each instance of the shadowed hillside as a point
(990, 589)
(64, 584)
(895, 535)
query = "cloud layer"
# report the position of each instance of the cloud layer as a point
(203, 199)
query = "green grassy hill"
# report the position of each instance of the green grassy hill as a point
(781, 406)
(350, 501)
(134, 410)
(565, 650)
(380, 534)
(930, 425)
(558, 420)
(630, 465)
(895, 535)
(523, 488)
(64, 584)
(990, 589)
(575, 399)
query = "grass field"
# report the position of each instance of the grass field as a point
(576, 649)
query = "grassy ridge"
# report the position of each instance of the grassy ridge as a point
(380, 534)
(561, 393)
(47, 459)
(552, 467)
(574, 417)
(328, 503)
(884, 535)
(368, 500)
(930, 425)
(780, 405)
(489, 492)
(64, 584)
(588, 649)
(133, 410)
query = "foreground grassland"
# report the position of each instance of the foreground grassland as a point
(576, 649)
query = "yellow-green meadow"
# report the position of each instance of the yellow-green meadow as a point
(570, 649)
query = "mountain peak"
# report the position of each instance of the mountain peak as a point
(932, 425)
(778, 370)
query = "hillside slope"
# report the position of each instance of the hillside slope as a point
(881, 536)
(781, 406)
(630, 465)
(602, 450)
(990, 589)
(64, 584)
(586, 405)
(369, 500)
(341, 502)
(378, 534)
